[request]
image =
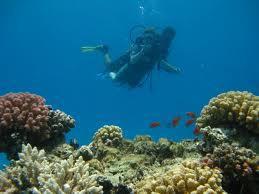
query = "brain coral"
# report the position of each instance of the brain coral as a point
(189, 177)
(24, 118)
(231, 109)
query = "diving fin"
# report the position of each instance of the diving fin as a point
(85, 49)
(102, 48)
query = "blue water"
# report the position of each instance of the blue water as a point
(216, 45)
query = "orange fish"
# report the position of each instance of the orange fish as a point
(189, 122)
(175, 121)
(154, 124)
(196, 131)
(191, 114)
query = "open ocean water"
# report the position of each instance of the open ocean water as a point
(216, 46)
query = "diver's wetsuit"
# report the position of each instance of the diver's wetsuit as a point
(136, 71)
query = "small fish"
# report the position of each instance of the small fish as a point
(189, 122)
(74, 143)
(191, 114)
(154, 124)
(175, 121)
(196, 131)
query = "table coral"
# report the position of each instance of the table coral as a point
(188, 177)
(232, 109)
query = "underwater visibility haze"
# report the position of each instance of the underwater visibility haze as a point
(216, 48)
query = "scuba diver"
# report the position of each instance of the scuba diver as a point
(148, 50)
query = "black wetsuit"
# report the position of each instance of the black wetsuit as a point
(137, 71)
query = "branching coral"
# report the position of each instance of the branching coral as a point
(24, 118)
(6, 185)
(33, 172)
(231, 109)
(108, 135)
(189, 177)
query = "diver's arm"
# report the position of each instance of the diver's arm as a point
(169, 68)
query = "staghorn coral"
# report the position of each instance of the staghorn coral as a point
(232, 109)
(110, 135)
(24, 118)
(34, 173)
(188, 177)
(25, 171)
(68, 176)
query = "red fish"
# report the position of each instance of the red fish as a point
(189, 122)
(196, 131)
(154, 124)
(175, 121)
(191, 114)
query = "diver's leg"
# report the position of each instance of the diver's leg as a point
(107, 59)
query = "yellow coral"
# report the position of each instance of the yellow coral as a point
(189, 178)
(108, 134)
(239, 109)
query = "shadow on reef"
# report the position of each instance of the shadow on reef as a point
(220, 161)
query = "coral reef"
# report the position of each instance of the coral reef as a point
(6, 185)
(64, 169)
(85, 152)
(232, 110)
(34, 173)
(24, 111)
(231, 158)
(59, 122)
(188, 177)
(239, 166)
(108, 135)
(164, 148)
(212, 137)
(24, 118)
(219, 162)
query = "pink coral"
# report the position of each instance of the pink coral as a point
(23, 112)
